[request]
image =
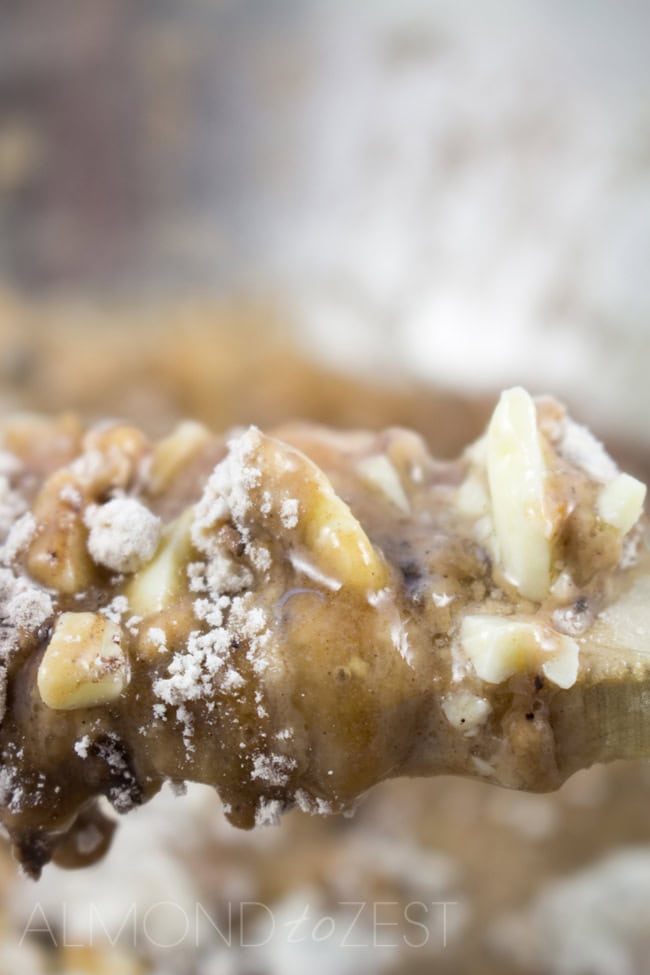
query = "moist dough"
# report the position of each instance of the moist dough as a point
(293, 616)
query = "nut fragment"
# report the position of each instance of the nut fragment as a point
(517, 478)
(465, 710)
(113, 458)
(328, 530)
(84, 665)
(57, 556)
(171, 454)
(500, 647)
(379, 472)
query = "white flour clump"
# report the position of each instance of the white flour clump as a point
(123, 534)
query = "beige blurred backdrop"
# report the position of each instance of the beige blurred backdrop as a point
(452, 190)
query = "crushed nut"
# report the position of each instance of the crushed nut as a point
(620, 502)
(159, 582)
(84, 665)
(171, 454)
(379, 472)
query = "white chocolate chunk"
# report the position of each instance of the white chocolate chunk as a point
(500, 647)
(517, 480)
(465, 710)
(379, 472)
(84, 665)
(620, 502)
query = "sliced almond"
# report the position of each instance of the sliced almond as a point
(500, 647)
(162, 579)
(327, 528)
(517, 479)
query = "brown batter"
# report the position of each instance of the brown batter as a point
(293, 618)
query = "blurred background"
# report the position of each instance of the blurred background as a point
(365, 214)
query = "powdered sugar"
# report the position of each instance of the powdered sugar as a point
(72, 496)
(11, 792)
(23, 605)
(268, 812)
(207, 658)
(289, 512)
(12, 506)
(81, 746)
(124, 793)
(191, 672)
(227, 493)
(158, 637)
(227, 498)
(115, 610)
(27, 607)
(273, 769)
(313, 804)
(18, 538)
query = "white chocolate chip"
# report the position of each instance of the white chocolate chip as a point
(620, 502)
(517, 479)
(500, 647)
(84, 665)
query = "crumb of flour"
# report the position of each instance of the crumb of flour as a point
(123, 534)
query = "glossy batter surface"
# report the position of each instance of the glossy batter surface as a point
(293, 617)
